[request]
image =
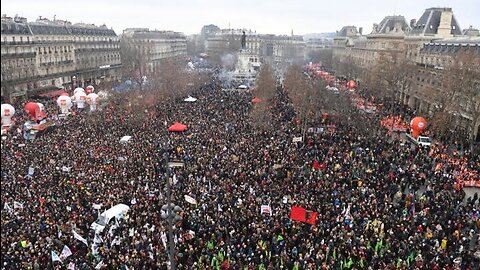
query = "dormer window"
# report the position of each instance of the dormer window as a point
(453, 27)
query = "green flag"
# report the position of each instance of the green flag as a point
(210, 244)
(214, 262)
(399, 263)
(410, 258)
(378, 246)
(349, 263)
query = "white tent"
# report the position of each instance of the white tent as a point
(242, 87)
(190, 99)
(125, 139)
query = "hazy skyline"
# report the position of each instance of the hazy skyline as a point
(267, 16)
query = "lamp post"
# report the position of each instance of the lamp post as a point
(169, 212)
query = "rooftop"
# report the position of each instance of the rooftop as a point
(453, 45)
(347, 31)
(392, 25)
(429, 22)
(145, 33)
(44, 26)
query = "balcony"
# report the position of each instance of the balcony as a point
(19, 55)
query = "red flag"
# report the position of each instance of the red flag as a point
(316, 165)
(311, 218)
(298, 214)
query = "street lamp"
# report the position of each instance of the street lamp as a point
(170, 211)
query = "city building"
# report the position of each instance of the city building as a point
(157, 45)
(319, 50)
(282, 50)
(355, 54)
(48, 54)
(276, 50)
(429, 44)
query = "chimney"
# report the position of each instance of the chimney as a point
(360, 30)
(412, 23)
(444, 27)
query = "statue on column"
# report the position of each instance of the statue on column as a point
(244, 41)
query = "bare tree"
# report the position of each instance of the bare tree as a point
(323, 56)
(135, 59)
(301, 92)
(390, 75)
(172, 79)
(266, 85)
(464, 80)
(266, 89)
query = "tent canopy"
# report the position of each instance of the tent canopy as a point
(256, 100)
(190, 99)
(177, 127)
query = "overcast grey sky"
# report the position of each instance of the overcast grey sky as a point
(264, 16)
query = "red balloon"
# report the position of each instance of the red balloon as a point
(351, 84)
(32, 108)
(418, 123)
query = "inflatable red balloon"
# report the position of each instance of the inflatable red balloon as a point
(32, 109)
(418, 124)
(351, 84)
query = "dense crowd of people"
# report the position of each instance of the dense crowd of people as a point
(381, 204)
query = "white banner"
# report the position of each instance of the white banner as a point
(79, 237)
(266, 209)
(55, 257)
(17, 205)
(190, 200)
(66, 252)
(297, 139)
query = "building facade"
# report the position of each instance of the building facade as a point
(157, 45)
(354, 54)
(51, 54)
(429, 44)
(276, 50)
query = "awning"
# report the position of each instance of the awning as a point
(53, 94)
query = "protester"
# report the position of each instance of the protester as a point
(380, 204)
